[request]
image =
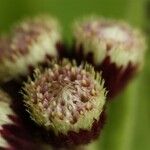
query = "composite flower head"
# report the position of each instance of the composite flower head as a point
(67, 100)
(111, 46)
(29, 43)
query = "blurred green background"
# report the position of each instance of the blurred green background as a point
(128, 124)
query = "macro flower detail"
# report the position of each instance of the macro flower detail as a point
(67, 101)
(53, 103)
(113, 47)
(30, 43)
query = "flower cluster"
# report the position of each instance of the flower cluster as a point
(58, 102)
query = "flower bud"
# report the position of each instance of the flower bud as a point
(30, 43)
(113, 47)
(67, 101)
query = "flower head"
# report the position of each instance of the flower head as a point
(29, 43)
(111, 46)
(67, 100)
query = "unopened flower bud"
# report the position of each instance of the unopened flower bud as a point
(67, 101)
(30, 43)
(113, 47)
